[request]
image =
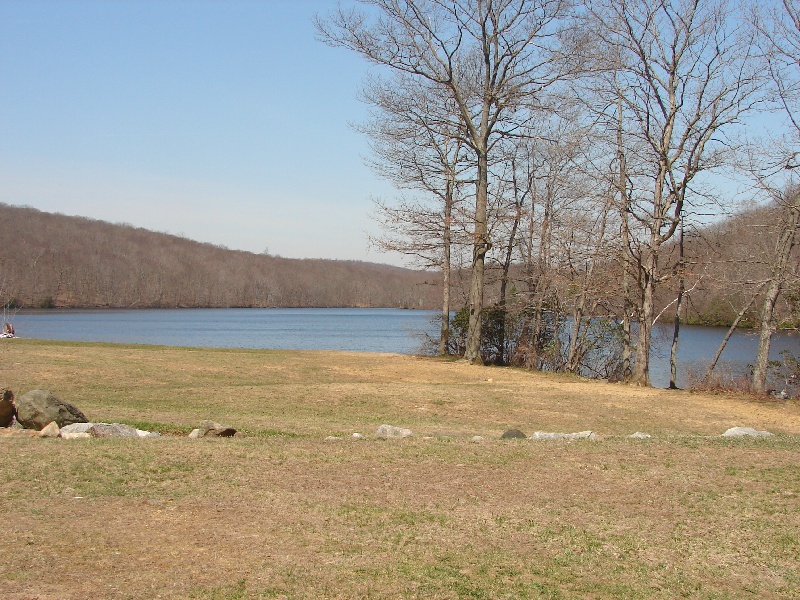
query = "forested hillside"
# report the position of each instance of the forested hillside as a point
(727, 267)
(53, 260)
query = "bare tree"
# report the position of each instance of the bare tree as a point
(416, 145)
(776, 173)
(684, 78)
(493, 58)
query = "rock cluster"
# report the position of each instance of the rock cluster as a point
(43, 414)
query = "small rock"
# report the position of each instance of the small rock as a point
(147, 434)
(358, 436)
(744, 432)
(333, 438)
(477, 439)
(581, 435)
(213, 429)
(50, 430)
(195, 434)
(639, 435)
(387, 432)
(513, 434)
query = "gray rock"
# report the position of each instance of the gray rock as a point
(37, 408)
(106, 430)
(387, 432)
(7, 411)
(477, 439)
(745, 432)
(195, 434)
(76, 428)
(333, 438)
(639, 435)
(358, 436)
(50, 430)
(102, 430)
(147, 434)
(581, 435)
(513, 434)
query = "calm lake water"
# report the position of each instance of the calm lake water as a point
(359, 330)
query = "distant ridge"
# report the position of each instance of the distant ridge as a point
(50, 260)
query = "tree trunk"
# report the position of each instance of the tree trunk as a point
(481, 246)
(673, 354)
(640, 374)
(728, 335)
(765, 337)
(783, 252)
(444, 334)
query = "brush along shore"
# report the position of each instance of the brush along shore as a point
(284, 513)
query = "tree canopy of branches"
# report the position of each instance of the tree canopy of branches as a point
(492, 58)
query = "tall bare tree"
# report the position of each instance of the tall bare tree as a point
(493, 58)
(777, 23)
(685, 77)
(416, 145)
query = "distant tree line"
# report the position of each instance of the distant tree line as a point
(57, 261)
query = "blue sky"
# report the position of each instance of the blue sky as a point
(225, 122)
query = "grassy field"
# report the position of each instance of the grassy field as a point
(284, 513)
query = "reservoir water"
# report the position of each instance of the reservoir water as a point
(359, 330)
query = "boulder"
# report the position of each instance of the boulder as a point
(745, 432)
(37, 408)
(50, 430)
(513, 434)
(7, 410)
(390, 432)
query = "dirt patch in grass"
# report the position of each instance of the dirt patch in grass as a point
(285, 514)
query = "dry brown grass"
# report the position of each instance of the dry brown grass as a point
(284, 514)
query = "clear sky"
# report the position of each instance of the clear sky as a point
(224, 121)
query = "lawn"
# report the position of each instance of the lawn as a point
(283, 512)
